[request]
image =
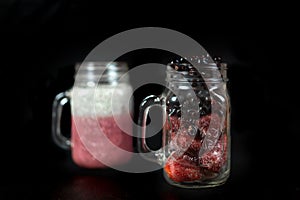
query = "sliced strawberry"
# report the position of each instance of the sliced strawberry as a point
(183, 168)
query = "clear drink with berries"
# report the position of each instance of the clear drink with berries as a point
(195, 149)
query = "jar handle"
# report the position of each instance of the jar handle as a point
(60, 100)
(142, 146)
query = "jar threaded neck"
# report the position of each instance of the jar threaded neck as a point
(100, 72)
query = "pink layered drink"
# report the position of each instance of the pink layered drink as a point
(100, 137)
(89, 147)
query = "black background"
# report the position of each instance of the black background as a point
(42, 40)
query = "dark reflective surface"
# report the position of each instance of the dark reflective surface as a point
(89, 187)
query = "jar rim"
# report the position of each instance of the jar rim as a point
(101, 65)
(205, 73)
(100, 71)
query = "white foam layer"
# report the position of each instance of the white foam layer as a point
(104, 100)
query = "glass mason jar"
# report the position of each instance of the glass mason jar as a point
(99, 112)
(195, 149)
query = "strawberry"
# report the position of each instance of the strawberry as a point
(182, 168)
